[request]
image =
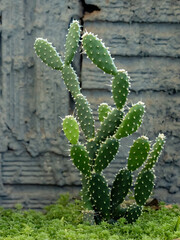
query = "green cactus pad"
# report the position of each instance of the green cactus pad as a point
(71, 80)
(80, 158)
(118, 212)
(120, 88)
(143, 186)
(99, 193)
(132, 121)
(133, 212)
(98, 53)
(71, 129)
(48, 53)
(104, 109)
(110, 125)
(92, 148)
(85, 193)
(72, 41)
(120, 188)
(106, 154)
(155, 152)
(85, 116)
(138, 153)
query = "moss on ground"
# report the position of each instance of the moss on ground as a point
(64, 220)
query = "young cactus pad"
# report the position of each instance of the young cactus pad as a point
(85, 116)
(103, 110)
(71, 80)
(71, 129)
(120, 88)
(109, 125)
(48, 53)
(155, 152)
(106, 154)
(80, 158)
(92, 148)
(98, 53)
(138, 153)
(133, 212)
(72, 41)
(132, 121)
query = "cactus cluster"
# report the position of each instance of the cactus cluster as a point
(102, 145)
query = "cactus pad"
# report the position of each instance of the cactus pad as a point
(72, 41)
(103, 110)
(110, 125)
(143, 186)
(106, 154)
(99, 193)
(118, 212)
(71, 80)
(120, 188)
(85, 116)
(92, 148)
(80, 158)
(132, 121)
(98, 53)
(48, 53)
(85, 193)
(133, 212)
(138, 153)
(120, 88)
(71, 129)
(155, 152)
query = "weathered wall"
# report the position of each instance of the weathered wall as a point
(144, 38)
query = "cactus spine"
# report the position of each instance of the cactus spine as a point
(102, 145)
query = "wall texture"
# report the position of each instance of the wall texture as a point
(144, 38)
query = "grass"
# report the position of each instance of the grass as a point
(64, 220)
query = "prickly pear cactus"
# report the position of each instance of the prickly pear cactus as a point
(102, 144)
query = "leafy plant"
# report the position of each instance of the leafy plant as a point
(102, 145)
(64, 220)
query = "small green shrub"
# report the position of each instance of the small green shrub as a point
(63, 220)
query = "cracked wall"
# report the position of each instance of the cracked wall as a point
(143, 36)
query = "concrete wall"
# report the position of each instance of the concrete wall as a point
(144, 38)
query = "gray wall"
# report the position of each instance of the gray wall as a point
(144, 38)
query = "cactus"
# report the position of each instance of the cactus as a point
(102, 145)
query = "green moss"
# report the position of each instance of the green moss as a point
(64, 220)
